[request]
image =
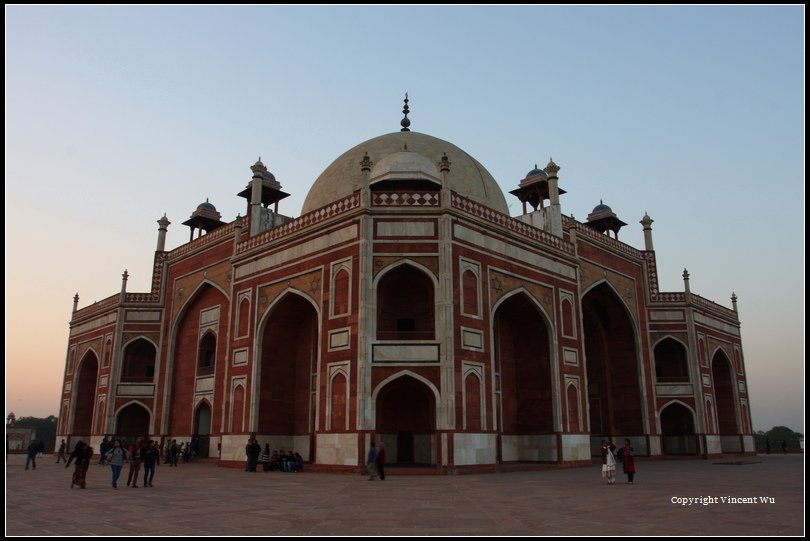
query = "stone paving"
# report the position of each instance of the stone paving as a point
(203, 499)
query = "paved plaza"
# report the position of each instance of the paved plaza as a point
(203, 499)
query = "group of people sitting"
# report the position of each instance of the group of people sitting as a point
(280, 460)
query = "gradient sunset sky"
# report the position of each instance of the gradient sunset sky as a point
(115, 115)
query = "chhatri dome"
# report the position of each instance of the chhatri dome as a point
(393, 154)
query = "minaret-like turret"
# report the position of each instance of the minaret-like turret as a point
(646, 224)
(262, 191)
(163, 226)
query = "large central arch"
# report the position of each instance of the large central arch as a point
(724, 402)
(288, 356)
(523, 363)
(406, 421)
(614, 388)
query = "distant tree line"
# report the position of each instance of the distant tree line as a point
(775, 437)
(45, 429)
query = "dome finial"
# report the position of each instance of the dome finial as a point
(405, 110)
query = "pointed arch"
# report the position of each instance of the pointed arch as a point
(85, 383)
(402, 373)
(133, 419)
(140, 356)
(572, 402)
(616, 390)
(677, 421)
(670, 359)
(724, 380)
(405, 307)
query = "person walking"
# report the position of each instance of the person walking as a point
(371, 462)
(135, 455)
(265, 457)
(115, 457)
(61, 452)
(608, 461)
(628, 460)
(31, 454)
(381, 461)
(82, 455)
(151, 456)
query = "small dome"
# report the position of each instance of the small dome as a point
(601, 207)
(206, 206)
(405, 165)
(536, 171)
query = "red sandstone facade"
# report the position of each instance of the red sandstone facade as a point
(409, 308)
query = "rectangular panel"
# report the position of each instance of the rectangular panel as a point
(707, 380)
(406, 229)
(405, 353)
(472, 339)
(209, 316)
(205, 384)
(570, 356)
(129, 389)
(141, 315)
(716, 324)
(339, 339)
(240, 357)
(102, 381)
(666, 315)
(95, 324)
(684, 389)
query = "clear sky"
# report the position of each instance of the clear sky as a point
(115, 115)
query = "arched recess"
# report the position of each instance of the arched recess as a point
(406, 419)
(131, 421)
(184, 345)
(202, 427)
(340, 293)
(84, 391)
(101, 416)
(678, 429)
(473, 418)
(572, 403)
(206, 355)
(614, 383)
(671, 364)
(711, 424)
(522, 349)
(238, 411)
(469, 294)
(244, 317)
(337, 401)
(405, 300)
(287, 369)
(722, 372)
(139, 361)
(567, 317)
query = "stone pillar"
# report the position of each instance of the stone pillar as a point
(124, 278)
(734, 301)
(163, 226)
(237, 232)
(687, 292)
(646, 223)
(75, 302)
(554, 209)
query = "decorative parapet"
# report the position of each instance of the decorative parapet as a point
(97, 307)
(302, 222)
(208, 238)
(513, 224)
(405, 199)
(712, 306)
(593, 234)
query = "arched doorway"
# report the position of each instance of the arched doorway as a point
(614, 392)
(405, 305)
(678, 430)
(132, 421)
(406, 421)
(724, 403)
(287, 381)
(139, 362)
(85, 393)
(523, 366)
(202, 429)
(670, 362)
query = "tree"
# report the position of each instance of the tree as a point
(779, 434)
(45, 429)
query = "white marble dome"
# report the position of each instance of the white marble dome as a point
(467, 176)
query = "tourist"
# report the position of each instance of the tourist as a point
(265, 457)
(628, 460)
(371, 461)
(252, 450)
(151, 456)
(116, 457)
(31, 453)
(784, 447)
(381, 461)
(61, 452)
(135, 455)
(103, 448)
(768, 446)
(82, 454)
(608, 461)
